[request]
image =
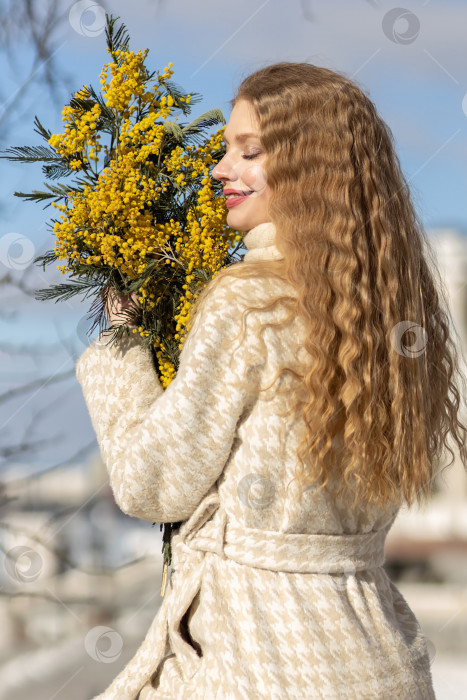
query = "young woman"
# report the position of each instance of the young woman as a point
(315, 393)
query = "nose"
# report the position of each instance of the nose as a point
(224, 170)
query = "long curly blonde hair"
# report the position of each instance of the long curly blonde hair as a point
(366, 279)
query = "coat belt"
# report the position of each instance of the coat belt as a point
(209, 530)
(290, 552)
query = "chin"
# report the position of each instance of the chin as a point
(243, 223)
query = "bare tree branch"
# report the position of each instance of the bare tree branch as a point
(8, 279)
(77, 457)
(21, 448)
(34, 25)
(62, 557)
(48, 596)
(36, 384)
(36, 351)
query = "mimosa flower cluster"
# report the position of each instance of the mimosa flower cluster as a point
(143, 213)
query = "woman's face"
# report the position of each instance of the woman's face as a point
(241, 170)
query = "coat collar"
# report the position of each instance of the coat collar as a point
(260, 242)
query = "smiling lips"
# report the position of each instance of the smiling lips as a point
(234, 197)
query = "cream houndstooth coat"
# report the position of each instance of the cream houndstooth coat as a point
(270, 597)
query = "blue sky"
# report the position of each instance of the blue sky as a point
(417, 87)
(414, 68)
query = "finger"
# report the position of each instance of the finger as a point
(113, 307)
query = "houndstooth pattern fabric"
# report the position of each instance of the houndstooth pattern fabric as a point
(271, 597)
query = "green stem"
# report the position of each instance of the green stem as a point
(167, 540)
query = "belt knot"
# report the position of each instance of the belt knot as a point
(209, 530)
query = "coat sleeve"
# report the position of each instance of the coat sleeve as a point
(165, 449)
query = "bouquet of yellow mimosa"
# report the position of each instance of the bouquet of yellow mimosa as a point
(139, 212)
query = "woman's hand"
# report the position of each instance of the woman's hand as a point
(120, 308)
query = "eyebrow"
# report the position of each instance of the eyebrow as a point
(242, 137)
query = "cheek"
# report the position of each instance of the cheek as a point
(254, 176)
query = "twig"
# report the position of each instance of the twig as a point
(36, 384)
(105, 570)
